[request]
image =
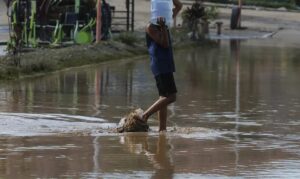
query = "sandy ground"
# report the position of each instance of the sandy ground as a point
(254, 20)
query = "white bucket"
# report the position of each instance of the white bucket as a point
(162, 8)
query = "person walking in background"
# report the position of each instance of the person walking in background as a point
(162, 66)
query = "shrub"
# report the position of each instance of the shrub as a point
(198, 11)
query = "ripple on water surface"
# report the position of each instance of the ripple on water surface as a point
(23, 124)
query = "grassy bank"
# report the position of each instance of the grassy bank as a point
(41, 61)
(48, 60)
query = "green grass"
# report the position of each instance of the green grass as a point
(41, 61)
(127, 38)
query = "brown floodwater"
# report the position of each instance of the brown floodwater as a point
(237, 115)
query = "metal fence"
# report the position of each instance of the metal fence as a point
(122, 14)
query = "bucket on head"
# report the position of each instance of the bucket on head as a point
(162, 8)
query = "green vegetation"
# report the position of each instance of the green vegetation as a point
(128, 38)
(211, 12)
(199, 11)
(8, 72)
(291, 4)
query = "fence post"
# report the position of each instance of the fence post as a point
(99, 23)
(127, 14)
(132, 15)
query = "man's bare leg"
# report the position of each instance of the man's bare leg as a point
(161, 103)
(162, 117)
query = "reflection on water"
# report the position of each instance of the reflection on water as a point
(140, 155)
(80, 92)
(245, 94)
(158, 155)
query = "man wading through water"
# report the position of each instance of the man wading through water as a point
(162, 66)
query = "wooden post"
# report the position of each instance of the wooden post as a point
(219, 27)
(240, 18)
(99, 23)
(132, 15)
(127, 14)
(240, 3)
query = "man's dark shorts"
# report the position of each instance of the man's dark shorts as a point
(165, 84)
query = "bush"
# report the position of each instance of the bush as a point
(211, 12)
(198, 11)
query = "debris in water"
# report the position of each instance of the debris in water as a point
(133, 122)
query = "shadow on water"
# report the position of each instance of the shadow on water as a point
(236, 116)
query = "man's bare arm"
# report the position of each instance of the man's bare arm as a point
(177, 7)
(159, 34)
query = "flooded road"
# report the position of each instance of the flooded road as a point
(237, 115)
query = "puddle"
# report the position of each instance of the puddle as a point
(236, 116)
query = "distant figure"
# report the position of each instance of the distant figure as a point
(236, 15)
(162, 66)
(106, 17)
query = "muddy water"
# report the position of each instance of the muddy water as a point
(237, 115)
